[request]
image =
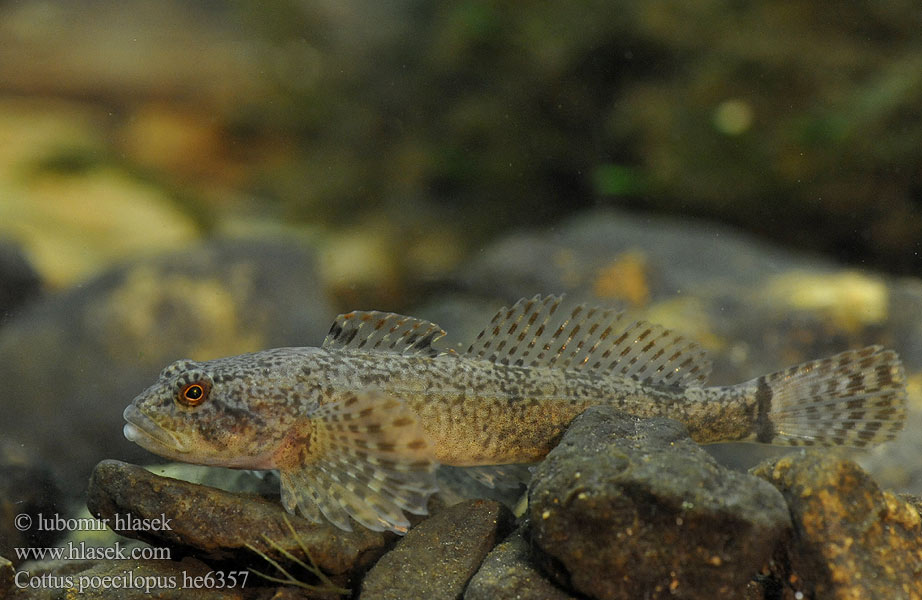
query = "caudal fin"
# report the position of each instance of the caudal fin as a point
(856, 398)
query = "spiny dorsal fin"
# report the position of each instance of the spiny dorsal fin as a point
(534, 333)
(375, 331)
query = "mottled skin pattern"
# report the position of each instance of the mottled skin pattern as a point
(476, 412)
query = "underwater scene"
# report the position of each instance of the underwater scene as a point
(465, 300)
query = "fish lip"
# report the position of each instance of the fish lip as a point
(144, 431)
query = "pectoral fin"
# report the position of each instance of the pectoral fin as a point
(364, 457)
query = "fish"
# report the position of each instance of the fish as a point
(356, 428)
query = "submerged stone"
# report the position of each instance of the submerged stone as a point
(437, 558)
(632, 508)
(509, 574)
(851, 540)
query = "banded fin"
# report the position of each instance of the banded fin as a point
(856, 398)
(534, 333)
(364, 457)
(376, 331)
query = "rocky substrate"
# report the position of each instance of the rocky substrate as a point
(622, 508)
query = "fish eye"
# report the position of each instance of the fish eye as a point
(193, 394)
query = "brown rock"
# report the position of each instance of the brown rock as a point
(851, 539)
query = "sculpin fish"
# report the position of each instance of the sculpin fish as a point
(356, 427)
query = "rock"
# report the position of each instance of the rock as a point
(72, 362)
(215, 524)
(508, 574)
(19, 283)
(851, 540)
(632, 508)
(437, 557)
(27, 490)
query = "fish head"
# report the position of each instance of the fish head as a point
(207, 413)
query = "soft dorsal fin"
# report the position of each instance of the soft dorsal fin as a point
(534, 333)
(375, 331)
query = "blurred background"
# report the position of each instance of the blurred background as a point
(203, 179)
(418, 130)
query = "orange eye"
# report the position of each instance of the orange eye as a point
(193, 394)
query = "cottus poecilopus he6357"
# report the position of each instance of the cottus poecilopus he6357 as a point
(357, 426)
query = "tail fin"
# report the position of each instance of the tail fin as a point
(856, 398)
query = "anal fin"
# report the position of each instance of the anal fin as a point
(363, 457)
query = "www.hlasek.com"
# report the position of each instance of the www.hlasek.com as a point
(127, 579)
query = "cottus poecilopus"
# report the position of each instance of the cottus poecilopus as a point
(357, 426)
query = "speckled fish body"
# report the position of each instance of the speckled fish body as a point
(356, 427)
(478, 412)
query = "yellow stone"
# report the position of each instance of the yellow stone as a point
(850, 299)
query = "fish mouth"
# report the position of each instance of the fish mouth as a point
(145, 432)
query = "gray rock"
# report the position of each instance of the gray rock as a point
(73, 361)
(216, 524)
(632, 508)
(509, 574)
(682, 256)
(851, 540)
(437, 557)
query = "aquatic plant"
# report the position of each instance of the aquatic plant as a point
(326, 584)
